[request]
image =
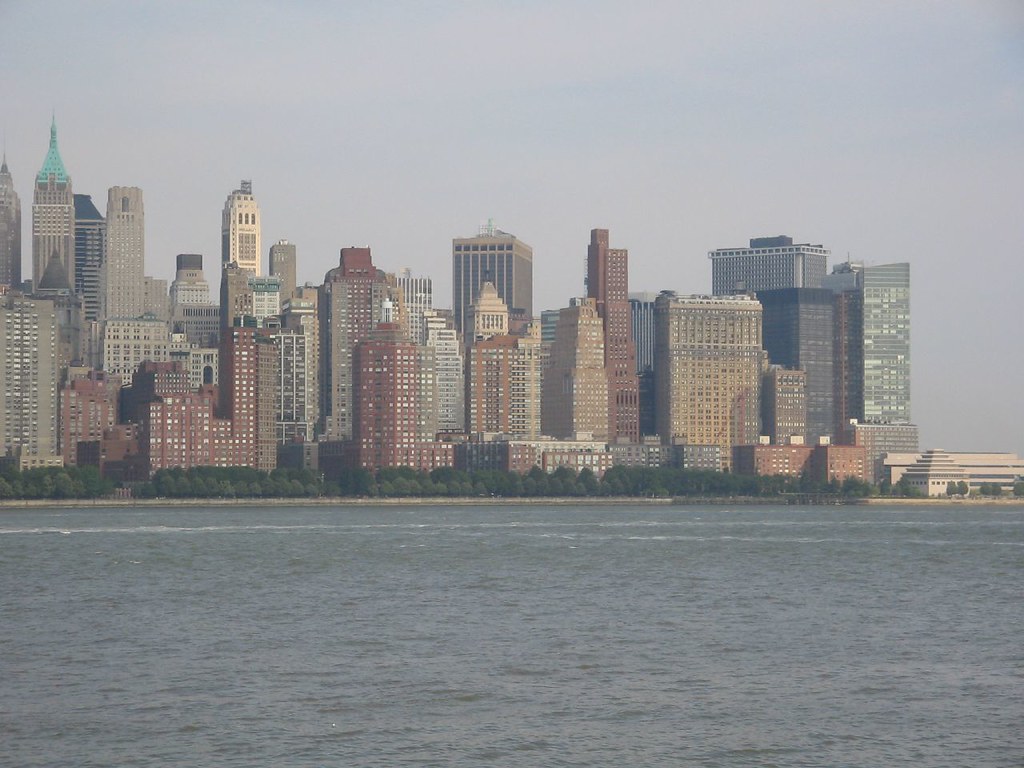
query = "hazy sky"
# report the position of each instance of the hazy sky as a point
(886, 131)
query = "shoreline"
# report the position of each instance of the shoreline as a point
(8, 505)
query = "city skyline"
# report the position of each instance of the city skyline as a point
(885, 156)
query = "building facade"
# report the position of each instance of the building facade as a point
(240, 230)
(496, 257)
(707, 379)
(283, 265)
(53, 215)
(608, 285)
(575, 386)
(10, 229)
(768, 264)
(124, 267)
(90, 254)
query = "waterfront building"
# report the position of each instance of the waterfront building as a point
(1002, 469)
(90, 252)
(575, 386)
(299, 404)
(283, 265)
(240, 230)
(10, 229)
(503, 385)
(769, 460)
(608, 285)
(395, 398)
(797, 330)
(29, 375)
(707, 378)
(769, 263)
(248, 381)
(123, 271)
(493, 257)
(837, 463)
(53, 215)
(88, 406)
(880, 440)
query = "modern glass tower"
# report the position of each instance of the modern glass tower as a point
(90, 251)
(886, 290)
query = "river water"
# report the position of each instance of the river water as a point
(512, 636)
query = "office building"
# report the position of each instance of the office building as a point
(797, 329)
(128, 342)
(575, 386)
(642, 309)
(123, 273)
(493, 257)
(53, 215)
(608, 286)
(283, 266)
(240, 230)
(707, 377)
(10, 229)
(769, 263)
(90, 252)
(784, 405)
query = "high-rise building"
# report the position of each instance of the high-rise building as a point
(124, 289)
(128, 342)
(53, 215)
(503, 385)
(496, 257)
(29, 375)
(487, 316)
(240, 230)
(299, 391)
(797, 329)
(283, 265)
(351, 304)
(608, 285)
(88, 406)
(90, 251)
(575, 386)
(417, 298)
(10, 229)
(449, 367)
(266, 298)
(707, 377)
(784, 405)
(190, 285)
(642, 307)
(248, 380)
(769, 263)
(872, 336)
(156, 297)
(235, 295)
(395, 398)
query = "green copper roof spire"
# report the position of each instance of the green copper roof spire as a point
(53, 165)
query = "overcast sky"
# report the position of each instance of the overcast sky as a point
(886, 131)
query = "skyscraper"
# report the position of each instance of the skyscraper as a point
(351, 304)
(575, 387)
(797, 331)
(282, 265)
(124, 289)
(240, 230)
(872, 336)
(769, 263)
(642, 307)
(10, 229)
(608, 285)
(440, 334)
(90, 251)
(29, 375)
(707, 378)
(496, 257)
(417, 298)
(53, 215)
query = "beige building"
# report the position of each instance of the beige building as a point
(240, 230)
(122, 276)
(29, 377)
(129, 341)
(976, 469)
(707, 377)
(575, 389)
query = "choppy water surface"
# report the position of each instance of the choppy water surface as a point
(512, 636)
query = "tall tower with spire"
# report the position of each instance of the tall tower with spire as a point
(53, 215)
(10, 229)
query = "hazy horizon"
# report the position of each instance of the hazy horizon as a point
(884, 132)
